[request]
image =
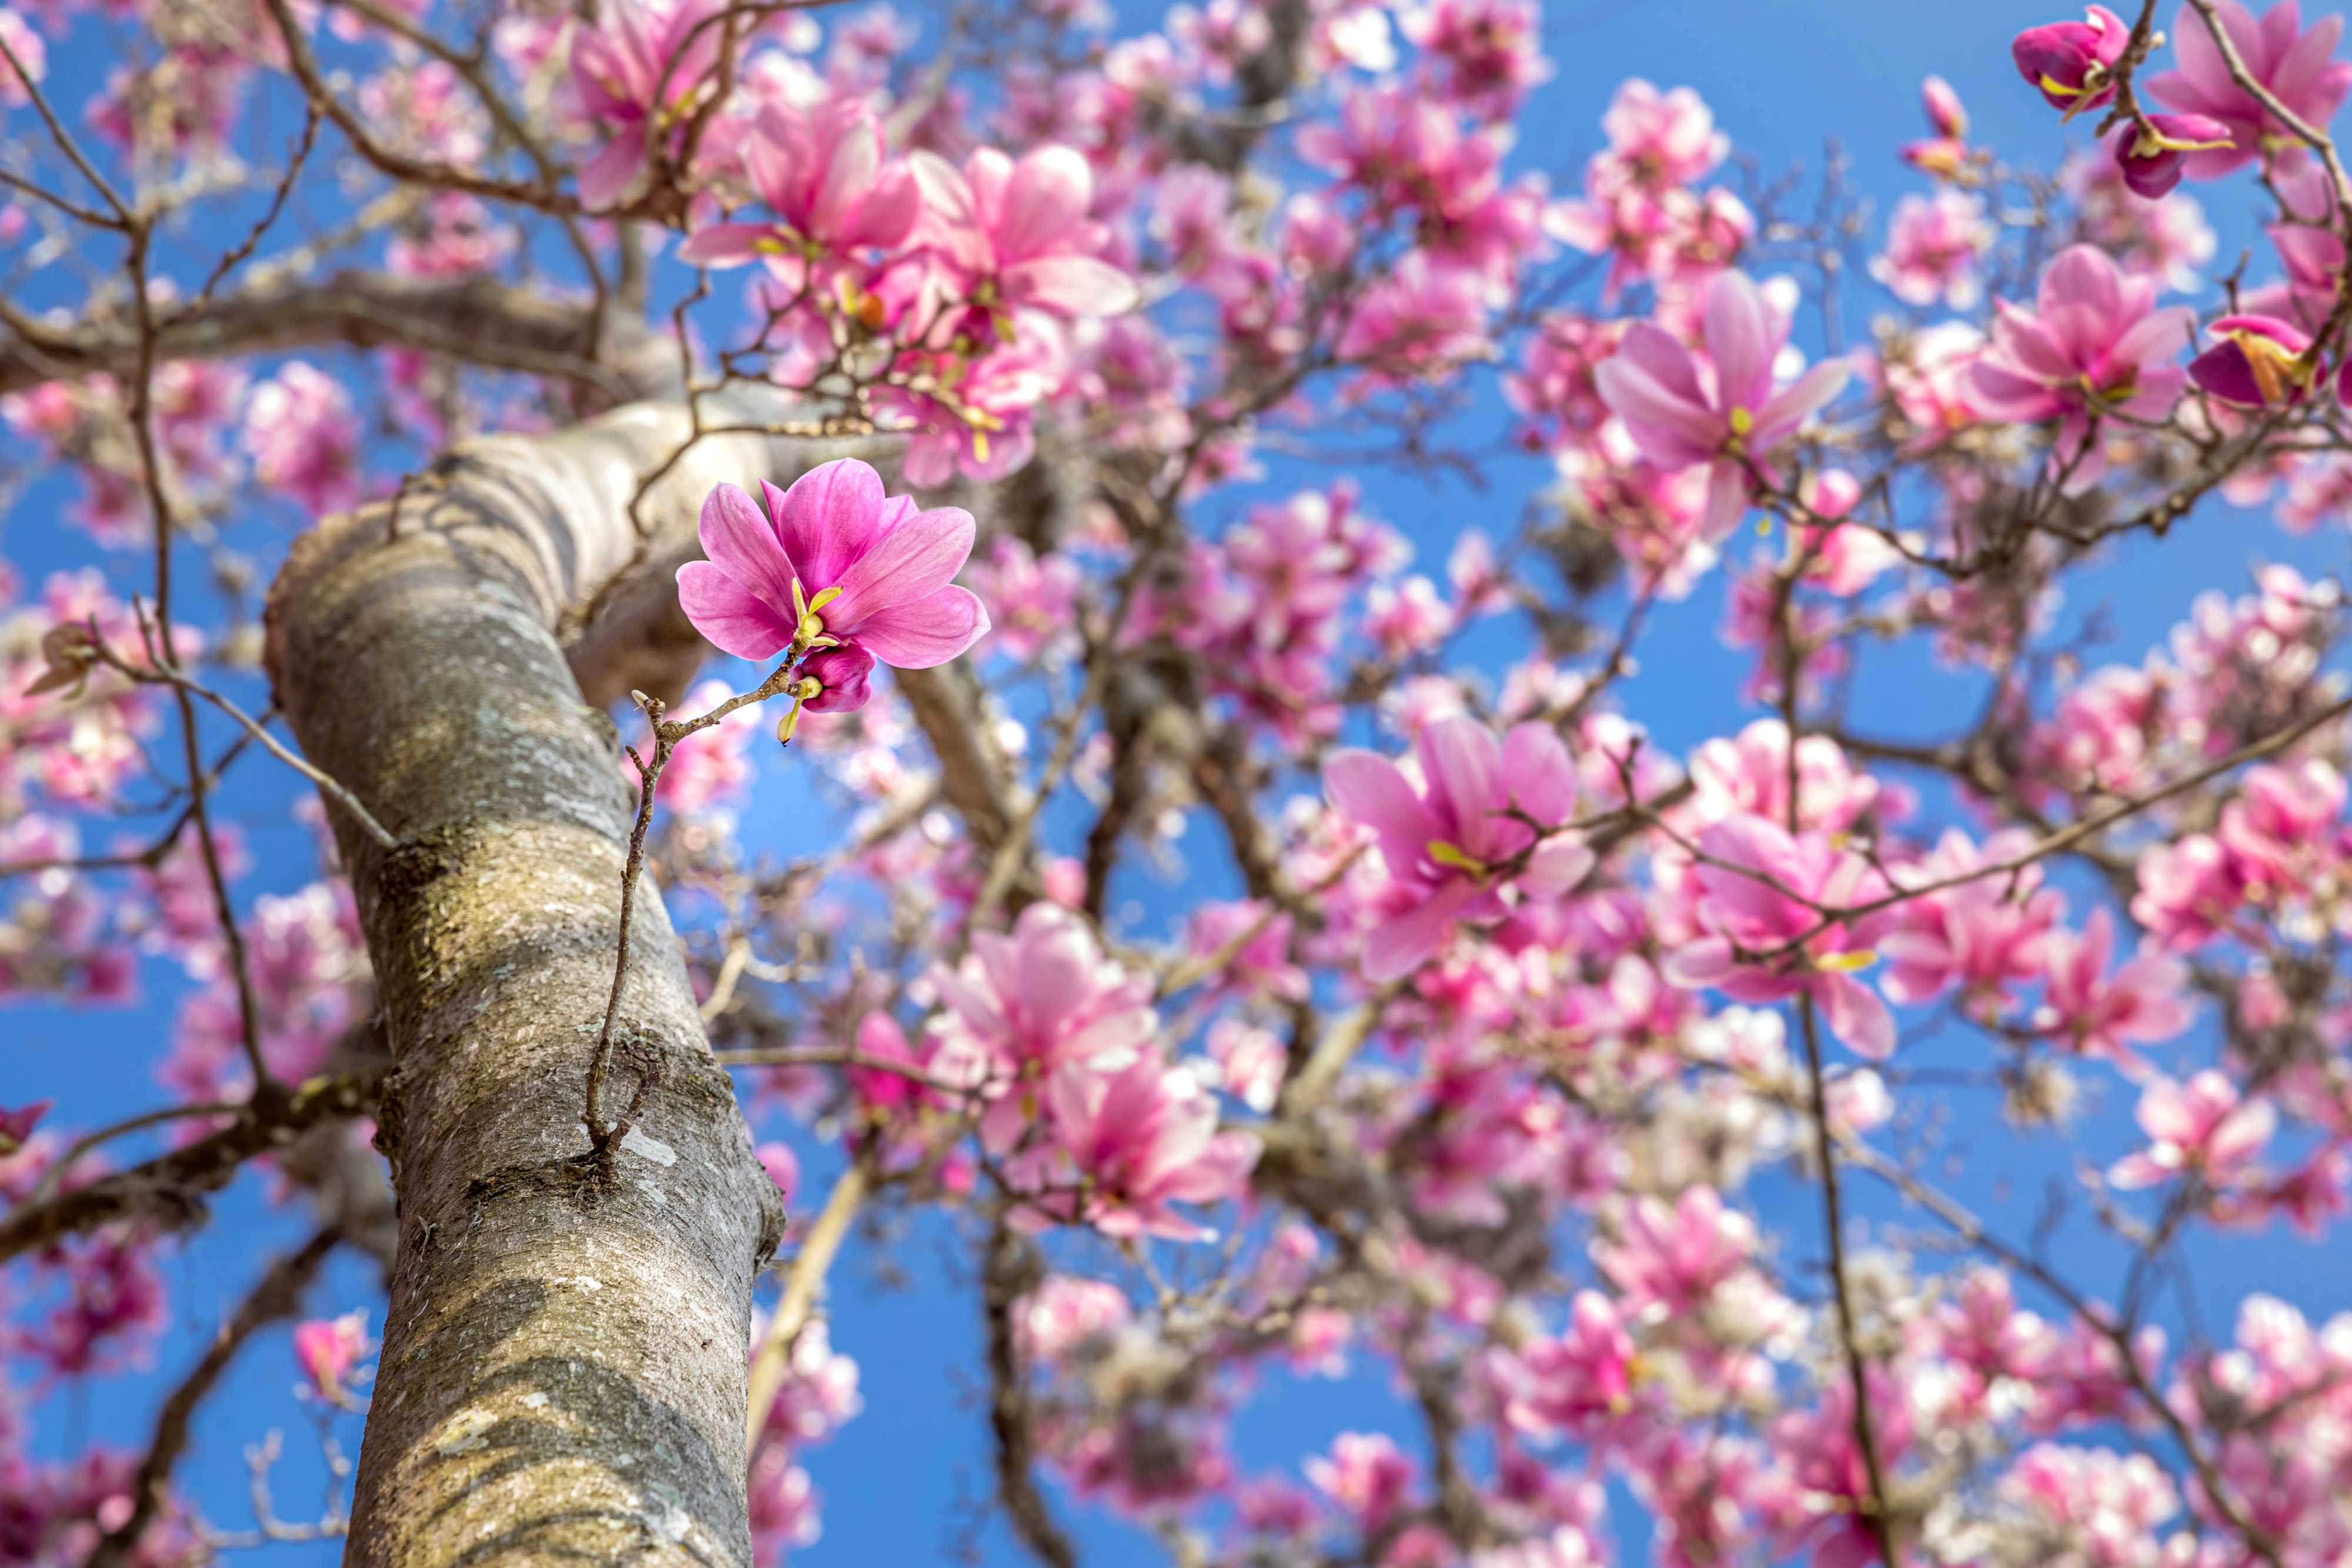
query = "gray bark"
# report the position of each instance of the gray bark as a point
(562, 1371)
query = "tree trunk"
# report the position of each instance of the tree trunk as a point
(562, 1371)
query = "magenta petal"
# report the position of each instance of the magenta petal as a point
(1655, 351)
(740, 542)
(1556, 867)
(1071, 286)
(832, 515)
(1461, 760)
(730, 615)
(1395, 948)
(910, 561)
(2224, 372)
(931, 631)
(1856, 1016)
(1671, 431)
(1785, 410)
(725, 245)
(606, 177)
(1045, 201)
(1739, 340)
(1698, 964)
(1539, 773)
(1369, 789)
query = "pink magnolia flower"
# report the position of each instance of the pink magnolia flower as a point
(1944, 155)
(822, 173)
(645, 66)
(18, 1126)
(2286, 828)
(1012, 234)
(981, 422)
(1658, 139)
(1141, 1138)
(2201, 1126)
(1985, 934)
(2142, 1003)
(327, 1349)
(2071, 62)
(783, 1166)
(2104, 1507)
(31, 55)
(1669, 1259)
(1366, 1474)
(1032, 603)
(2152, 160)
(1462, 843)
(2297, 66)
(1038, 998)
(2094, 344)
(2187, 891)
(1573, 1383)
(1932, 246)
(1251, 1061)
(304, 437)
(1757, 890)
(2260, 362)
(1491, 48)
(832, 561)
(1724, 413)
(1065, 1312)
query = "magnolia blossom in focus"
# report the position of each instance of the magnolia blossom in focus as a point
(1475, 831)
(1721, 411)
(832, 561)
(2096, 344)
(2296, 65)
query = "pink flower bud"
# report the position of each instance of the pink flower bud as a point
(2152, 158)
(843, 677)
(2071, 62)
(18, 1126)
(1943, 107)
(2260, 362)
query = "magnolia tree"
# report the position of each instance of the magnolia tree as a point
(1260, 957)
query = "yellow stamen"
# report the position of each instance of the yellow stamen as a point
(2152, 142)
(1846, 963)
(1448, 853)
(2281, 372)
(808, 624)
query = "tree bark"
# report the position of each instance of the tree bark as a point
(562, 1370)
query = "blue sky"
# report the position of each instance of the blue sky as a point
(904, 1482)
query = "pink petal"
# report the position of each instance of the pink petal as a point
(911, 561)
(1071, 286)
(730, 615)
(1699, 964)
(931, 631)
(1856, 1016)
(1654, 351)
(1044, 200)
(725, 245)
(1395, 948)
(606, 177)
(1538, 773)
(1460, 758)
(1741, 341)
(1671, 431)
(1785, 410)
(740, 542)
(1556, 867)
(849, 175)
(1369, 789)
(832, 515)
